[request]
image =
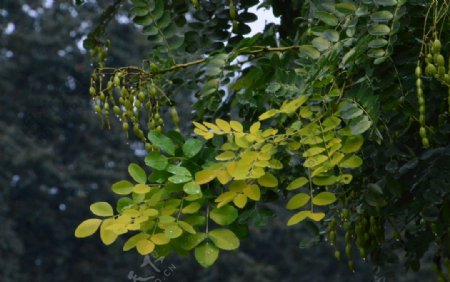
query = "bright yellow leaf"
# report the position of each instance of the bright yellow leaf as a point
(141, 189)
(253, 192)
(236, 126)
(318, 216)
(159, 239)
(213, 127)
(270, 113)
(102, 209)
(298, 217)
(223, 125)
(268, 180)
(205, 176)
(255, 127)
(240, 200)
(107, 236)
(200, 126)
(225, 156)
(223, 176)
(87, 227)
(133, 240)
(145, 247)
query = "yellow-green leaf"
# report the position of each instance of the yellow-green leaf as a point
(191, 208)
(351, 162)
(87, 227)
(318, 216)
(236, 126)
(325, 180)
(225, 198)
(298, 217)
(141, 189)
(213, 127)
(200, 126)
(224, 239)
(292, 106)
(225, 156)
(205, 176)
(145, 247)
(122, 187)
(255, 127)
(324, 199)
(160, 239)
(192, 188)
(268, 180)
(186, 227)
(133, 240)
(352, 144)
(206, 254)
(173, 231)
(253, 192)
(137, 173)
(102, 209)
(297, 183)
(298, 201)
(223, 125)
(224, 215)
(240, 200)
(313, 151)
(107, 236)
(315, 161)
(270, 113)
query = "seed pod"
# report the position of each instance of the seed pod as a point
(422, 109)
(125, 126)
(429, 59)
(351, 265)
(116, 80)
(419, 83)
(106, 107)
(332, 236)
(175, 117)
(116, 110)
(337, 254)
(422, 132)
(141, 96)
(425, 143)
(159, 128)
(437, 45)
(441, 71)
(92, 91)
(232, 10)
(348, 249)
(97, 109)
(418, 71)
(152, 90)
(110, 84)
(430, 69)
(440, 61)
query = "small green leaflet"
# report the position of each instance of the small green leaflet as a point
(137, 173)
(156, 160)
(162, 141)
(192, 147)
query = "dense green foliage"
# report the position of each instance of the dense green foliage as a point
(337, 101)
(56, 160)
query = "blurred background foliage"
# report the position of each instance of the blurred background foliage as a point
(55, 160)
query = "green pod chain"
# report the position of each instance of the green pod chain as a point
(421, 102)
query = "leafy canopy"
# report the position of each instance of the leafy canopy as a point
(324, 112)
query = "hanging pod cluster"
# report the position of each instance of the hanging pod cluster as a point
(132, 95)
